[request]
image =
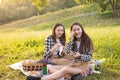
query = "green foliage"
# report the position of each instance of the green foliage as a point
(39, 3)
(103, 4)
(54, 5)
(106, 42)
(106, 15)
(113, 4)
(83, 1)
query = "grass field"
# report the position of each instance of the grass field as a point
(25, 39)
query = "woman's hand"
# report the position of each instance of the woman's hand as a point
(76, 55)
(72, 36)
(84, 69)
(56, 46)
(63, 51)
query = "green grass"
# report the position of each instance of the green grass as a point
(25, 39)
(106, 45)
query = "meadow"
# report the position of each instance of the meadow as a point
(24, 39)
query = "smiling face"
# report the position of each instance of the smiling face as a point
(59, 31)
(77, 30)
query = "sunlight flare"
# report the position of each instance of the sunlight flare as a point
(0, 1)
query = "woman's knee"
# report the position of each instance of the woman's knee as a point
(66, 69)
(52, 70)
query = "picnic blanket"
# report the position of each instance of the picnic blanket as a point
(18, 66)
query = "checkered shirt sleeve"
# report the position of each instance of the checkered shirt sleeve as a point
(84, 57)
(68, 48)
(48, 46)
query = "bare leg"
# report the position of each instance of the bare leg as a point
(61, 73)
(54, 69)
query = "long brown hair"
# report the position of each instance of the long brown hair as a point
(62, 38)
(86, 42)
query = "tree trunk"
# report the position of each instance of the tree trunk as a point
(116, 6)
(113, 5)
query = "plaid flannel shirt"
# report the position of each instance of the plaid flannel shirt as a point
(84, 57)
(48, 45)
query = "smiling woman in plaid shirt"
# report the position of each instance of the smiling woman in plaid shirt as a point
(54, 46)
(80, 45)
(55, 41)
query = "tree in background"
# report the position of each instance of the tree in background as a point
(39, 3)
(54, 5)
(103, 4)
(115, 6)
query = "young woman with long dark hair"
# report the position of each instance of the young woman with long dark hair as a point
(55, 45)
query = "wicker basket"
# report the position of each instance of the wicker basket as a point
(30, 65)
